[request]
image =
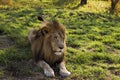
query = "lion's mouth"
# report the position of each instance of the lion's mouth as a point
(59, 52)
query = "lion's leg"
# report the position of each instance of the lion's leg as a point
(63, 71)
(48, 71)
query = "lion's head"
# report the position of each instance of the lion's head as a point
(54, 36)
(49, 41)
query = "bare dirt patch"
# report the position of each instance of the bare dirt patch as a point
(26, 70)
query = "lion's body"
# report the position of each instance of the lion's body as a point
(48, 46)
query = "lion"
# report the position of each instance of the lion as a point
(48, 46)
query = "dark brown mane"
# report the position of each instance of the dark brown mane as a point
(55, 26)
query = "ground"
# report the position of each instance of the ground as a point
(93, 39)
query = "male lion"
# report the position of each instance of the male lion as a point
(48, 47)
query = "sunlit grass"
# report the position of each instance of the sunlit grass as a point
(101, 6)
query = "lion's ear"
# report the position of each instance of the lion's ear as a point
(41, 18)
(55, 22)
(45, 30)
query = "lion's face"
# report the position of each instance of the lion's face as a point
(57, 41)
(54, 36)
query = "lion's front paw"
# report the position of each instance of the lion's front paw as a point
(49, 73)
(64, 73)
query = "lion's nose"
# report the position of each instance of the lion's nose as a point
(61, 47)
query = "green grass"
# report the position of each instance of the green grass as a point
(93, 39)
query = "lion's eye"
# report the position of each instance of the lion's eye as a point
(55, 37)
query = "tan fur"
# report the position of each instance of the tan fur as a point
(48, 46)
